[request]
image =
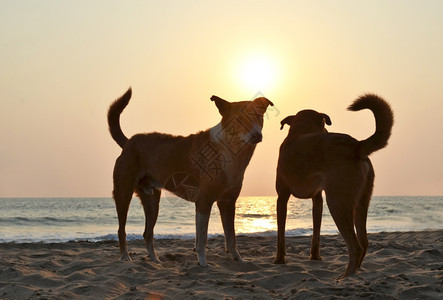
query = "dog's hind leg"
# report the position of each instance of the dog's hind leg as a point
(150, 204)
(317, 211)
(124, 184)
(227, 214)
(122, 205)
(202, 214)
(282, 207)
(122, 197)
(341, 209)
(361, 214)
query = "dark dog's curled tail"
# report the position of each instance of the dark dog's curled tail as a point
(384, 120)
(114, 112)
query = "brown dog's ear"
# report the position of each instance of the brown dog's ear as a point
(262, 104)
(288, 120)
(326, 119)
(222, 105)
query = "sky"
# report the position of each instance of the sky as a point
(63, 62)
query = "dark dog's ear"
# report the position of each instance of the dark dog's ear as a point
(262, 104)
(222, 105)
(288, 120)
(326, 119)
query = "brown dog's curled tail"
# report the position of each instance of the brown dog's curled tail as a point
(384, 120)
(114, 112)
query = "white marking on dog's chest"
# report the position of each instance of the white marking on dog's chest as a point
(214, 133)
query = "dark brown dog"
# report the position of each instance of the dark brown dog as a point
(204, 168)
(312, 160)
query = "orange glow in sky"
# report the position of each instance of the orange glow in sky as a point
(62, 64)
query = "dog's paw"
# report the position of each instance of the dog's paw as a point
(345, 275)
(239, 259)
(154, 259)
(341, 277)
(315, 257)
(125, 257)
(203, 264)
(235, 255)
(279, 260)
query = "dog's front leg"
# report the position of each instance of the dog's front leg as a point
(282, 207)
(203, 211)
(227, 214)
(317, 211)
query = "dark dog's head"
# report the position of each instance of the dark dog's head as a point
(242, 121)
(306, 121)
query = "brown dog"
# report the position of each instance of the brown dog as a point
(312, 160)
(203, 168)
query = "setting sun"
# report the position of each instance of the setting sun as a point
(258, 72)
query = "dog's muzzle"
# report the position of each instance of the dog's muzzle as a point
(253, 138)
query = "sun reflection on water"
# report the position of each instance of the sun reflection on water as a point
(255, 214)
(258, 214)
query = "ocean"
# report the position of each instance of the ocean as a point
(55, 220)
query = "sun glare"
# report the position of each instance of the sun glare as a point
(258, 72)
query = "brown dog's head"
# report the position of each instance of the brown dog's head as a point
(242, 121)
(306, 121)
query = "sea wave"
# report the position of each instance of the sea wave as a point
(37, 221)
(61, 220)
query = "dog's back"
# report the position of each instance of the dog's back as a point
(315, 146)
(317, 151)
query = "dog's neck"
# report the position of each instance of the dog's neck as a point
(217, 136)
(294, 132)
(305, 129)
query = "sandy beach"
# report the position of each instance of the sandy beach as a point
(399, 265)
